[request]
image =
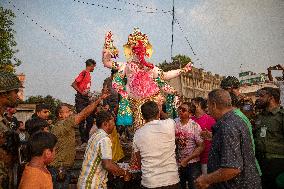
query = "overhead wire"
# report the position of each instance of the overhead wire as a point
(119, 9)
(52, 35)
(157, 11)
(46, 31)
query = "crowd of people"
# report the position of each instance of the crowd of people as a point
(224, 141)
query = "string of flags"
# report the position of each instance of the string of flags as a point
(119, 9)
(51, 35)
(46, 31)
(140, 6)
(179, 25)
(154, 10)
(137, 5)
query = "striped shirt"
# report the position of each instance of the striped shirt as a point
(93, 175)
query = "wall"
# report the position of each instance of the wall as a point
(25, 111)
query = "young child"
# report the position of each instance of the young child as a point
(36, 175)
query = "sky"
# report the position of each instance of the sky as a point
(227, 36)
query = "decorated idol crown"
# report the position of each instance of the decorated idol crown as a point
(135, 39)
(136, 36)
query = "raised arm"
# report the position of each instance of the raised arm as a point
(269, 73)
(172, 73)
(108, 62)
(89, 109)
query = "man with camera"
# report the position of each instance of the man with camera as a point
(9, 87)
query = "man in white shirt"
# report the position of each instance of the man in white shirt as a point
(154, 149)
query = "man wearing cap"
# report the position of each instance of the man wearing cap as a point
(232, 85)
(9, 87)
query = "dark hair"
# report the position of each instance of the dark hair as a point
(35, 125)
(40, 107)
(191, 107)
(164, 107)
(188, 104)
(274, 92)
(201, 101)
(59, 107)
(230, 82)
(41, 141)
(150, 110)
(90, 62)
(235, 100)
(113, 71)
(102, 117)
(221, 97)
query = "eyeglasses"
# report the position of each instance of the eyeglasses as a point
(247, 107)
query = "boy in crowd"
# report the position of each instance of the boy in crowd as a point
(98, 156)
(82, 85)
(36, 174)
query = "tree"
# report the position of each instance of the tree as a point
(8, 61)
(49, 100)
(178, 61)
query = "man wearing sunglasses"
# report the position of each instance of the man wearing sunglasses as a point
(189, 146)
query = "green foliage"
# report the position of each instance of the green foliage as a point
(8, 61)
(49, 100)
(179, 61)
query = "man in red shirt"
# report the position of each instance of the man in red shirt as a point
(82, 85)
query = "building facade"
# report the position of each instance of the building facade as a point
(196, 83)
(250, 77)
